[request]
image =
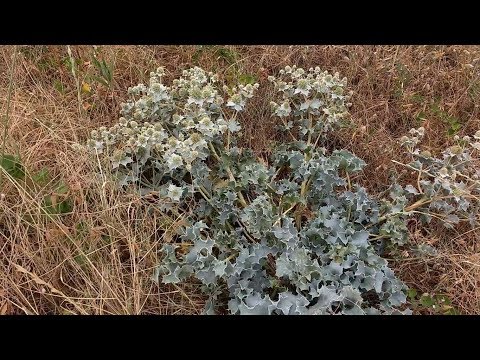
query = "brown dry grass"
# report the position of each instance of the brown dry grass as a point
(99, 258)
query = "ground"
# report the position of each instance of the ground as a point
(98, 256)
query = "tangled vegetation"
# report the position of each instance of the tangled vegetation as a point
(293, 234)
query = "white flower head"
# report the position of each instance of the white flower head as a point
(222, 125)
(404, 139)
(443, 172)
(207, 127)
(236, 102)
(303, 87)
(283, 110)
(174, 192)
(174, 161)
(233, 125)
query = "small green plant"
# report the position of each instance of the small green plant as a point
(72, 64)
(474, 91)
(59, 202)
(293, 234)
(418, 98)
(420, 118)
(104, 70)
(403, 79)
(452, 121)
(247, 79)
(81, 260)
(58, 85)
(13, 166)
(41, 178)
(229, 56)
(41, 57)
(9, 163)
(199, 52)
(438, 304)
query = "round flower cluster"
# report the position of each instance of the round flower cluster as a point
(416, 135)
(240, 95)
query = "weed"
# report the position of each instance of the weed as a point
(453, 122)
(104, 70)
(13, 166)
(438, 304)
(58, 202)
(403, 79)
(226, 54)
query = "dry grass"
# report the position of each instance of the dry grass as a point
(99, 258)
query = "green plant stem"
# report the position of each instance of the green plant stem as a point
(6, 122)
(310, 125)
(349, 182)
(204, 193)
(377, 237)
(289, 132)
(230, 174)
(412, 168)
(231, 257)
(284, 213)
(305, 182)
(245, 231)
(76, 78)
(316, 141)
(417, 204)
(437, 216)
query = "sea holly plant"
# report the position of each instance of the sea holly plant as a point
(447, 187)
(292, 235)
